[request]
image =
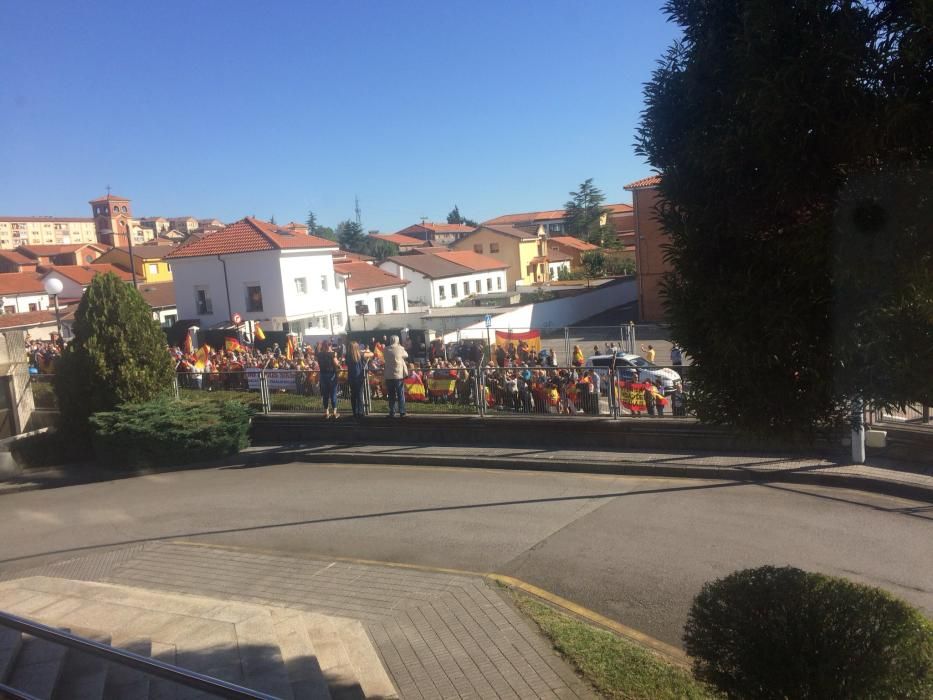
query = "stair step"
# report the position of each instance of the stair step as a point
(301, 663)
(10, 641)
(84, 676)
(37, 667)
(124, 683)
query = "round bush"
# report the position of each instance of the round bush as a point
(785, 633)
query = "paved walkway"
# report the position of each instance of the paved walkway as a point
(439, 635)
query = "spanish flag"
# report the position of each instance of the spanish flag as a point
(414, 389)
(233, 344)
(189, 346)
(290, 347)
(201, 357)
(257, 331)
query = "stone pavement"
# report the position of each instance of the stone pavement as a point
(439, 635)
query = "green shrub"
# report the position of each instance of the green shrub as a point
(168, 432)
(117, 356)
(48, 449)
(785, 633)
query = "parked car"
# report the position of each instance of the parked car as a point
(635, 364)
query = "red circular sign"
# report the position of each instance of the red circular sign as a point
(237, 319)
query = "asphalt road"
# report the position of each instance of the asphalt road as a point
(635, 549)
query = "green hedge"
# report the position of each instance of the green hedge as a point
(49, 449)
(785, 633)
(168, 432)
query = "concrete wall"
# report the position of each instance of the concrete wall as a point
(557, 312)
(12, 352)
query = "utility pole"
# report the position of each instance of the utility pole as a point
(356, 208)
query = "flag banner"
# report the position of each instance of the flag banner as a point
(232, 344)
(414, 389)
(632, 395)
(531, 338)
(201, 357)
(290, 347)
(189, 345)
(257, 332)
(442, 386)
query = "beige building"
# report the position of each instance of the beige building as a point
(45, 230)
(524, 251)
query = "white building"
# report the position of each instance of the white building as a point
(254, 269)
(439, 277)
(21, 292)
(380, 291)
(76, 278)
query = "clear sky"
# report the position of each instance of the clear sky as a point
(228, 108)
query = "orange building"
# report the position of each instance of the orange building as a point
(649, 256)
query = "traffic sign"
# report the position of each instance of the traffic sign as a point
(488, 320)
(237, 319)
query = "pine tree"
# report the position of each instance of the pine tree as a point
(583, 211)
(118, 355)
(454, 216)
(311, 221)
(350, 236)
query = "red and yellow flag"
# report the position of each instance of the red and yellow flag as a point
(257, 331)
(233, 344)
(531, 338)
(201, 357)
(290, 347)
(189, 346)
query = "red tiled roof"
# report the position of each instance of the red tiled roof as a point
(107, 198)
(575, 243)
(473, 262)
(247, 236)
(15, 257)
(348, 256)
(149, 251)
(532, 217)
(511, 231)
(158, 295)
(13, 283)
(448, 228)
(83, 274)
(650, 181)
(30, 319)
(619, 208)
(364, 276)
(401, 239)
(50, 219)
(558, 256)
(44, 251)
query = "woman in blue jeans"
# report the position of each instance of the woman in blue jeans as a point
(328, 379)
(356, 366)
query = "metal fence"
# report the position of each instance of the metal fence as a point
(487, 391)
(911, 414)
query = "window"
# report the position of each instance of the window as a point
(88, 259)
(489, 284)
(33, 307)
(378, 301)
(169, 320)
(301, 286)
(323, 283)
(203, 300)
(395, 302)
(9, 309)
(466, 289)
(453, 291)
(253, 298)
(493, 247)
(479, 287)
(498, 283)
(153, 268)
(440, 291)
(478, 248)
(124, 210)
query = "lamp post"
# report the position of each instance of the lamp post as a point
(53, 287)
(346, 297)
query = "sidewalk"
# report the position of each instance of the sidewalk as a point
(906, 480)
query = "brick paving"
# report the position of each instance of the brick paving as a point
(439, 635)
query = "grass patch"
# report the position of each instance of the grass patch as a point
(617, 668)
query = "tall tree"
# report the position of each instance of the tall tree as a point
(117, 354)
(325, 232)
(454, 217)
(311, 222)
(583, 211)
(794, 145)
(378, 248)
(350, 235)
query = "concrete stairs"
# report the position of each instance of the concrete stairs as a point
(283, 652)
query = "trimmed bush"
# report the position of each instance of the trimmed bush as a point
(49, 449)
(785, 633)
(169, 432)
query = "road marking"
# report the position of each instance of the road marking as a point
(671, 653)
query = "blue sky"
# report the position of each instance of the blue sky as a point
(226, 108)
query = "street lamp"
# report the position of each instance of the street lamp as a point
(53, 287)
(346, 297)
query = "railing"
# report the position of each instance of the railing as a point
(485, 391)
(911, 414)
(154, 667)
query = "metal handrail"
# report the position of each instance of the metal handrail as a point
(10, 692)
(154, 667)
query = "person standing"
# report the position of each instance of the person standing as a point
(328, 379)
(356, 369)
(396, 370)
(649, 352)
(677, 356)
(577, 356)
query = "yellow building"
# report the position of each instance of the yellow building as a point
(45, 230)
(523, 250)
(149, 261)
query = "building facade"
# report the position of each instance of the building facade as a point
(440, 234)
(650, 265)
(522, 251)
(45, 230)
(149, 261)
(445, 278)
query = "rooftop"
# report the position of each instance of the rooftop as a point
(575, 243)
(149, 251)
(159, 295)
(521, 234)
(13, 283)
(400, 239)
(17, 258)
(534, 217)
(446, 228)
(364, 276)
(44, 251)
(645, 182)
(108, 198)
(83, 274)
(474, 262)
(30, 319)
(247, 235)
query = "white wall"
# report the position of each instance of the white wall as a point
(427, 290)
(419, 288)
(70, 288)
(557, 312)
(311, 266)
(368, 297)
(22, 301)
